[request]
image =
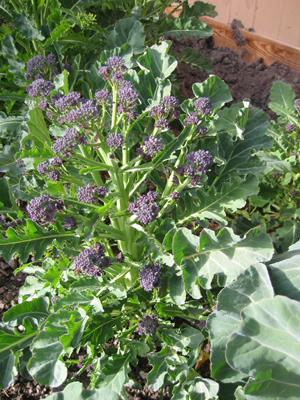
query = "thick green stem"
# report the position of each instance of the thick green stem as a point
(97, 178)
(115, 106)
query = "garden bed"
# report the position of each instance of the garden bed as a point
(245, 80)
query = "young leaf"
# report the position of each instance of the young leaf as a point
(36, 308)
(215, 89)
(196, 60)
(187, 27)
(38, 128)
(282, 99)
(128, 31)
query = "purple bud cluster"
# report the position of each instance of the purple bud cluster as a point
(39, 87)
(150, 277)
(289, 127)
(128, 97)
(64, 102)
(36, 65)
(83, 114)
(203, 105)
(197, 163)
(297, 104)
(56, 162)
(192, 119)
(202, 130)
(102, 96)
(70, 223)
(41, 209)
(147, 325)
(43, 168)
(145, 208)
(165, 111)
(152, 146)
(54, 176)
(293, 192)
(4, 21)
(115, 140)
(66, 144)
(91, 261)
(115, 66)
(91, 193)
(120, 257)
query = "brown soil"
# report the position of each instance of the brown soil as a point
(245, 80)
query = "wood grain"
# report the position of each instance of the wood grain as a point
(257, 46)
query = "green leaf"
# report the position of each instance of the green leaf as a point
(36, 308)
(5, 194)
(250, 286)
(225, 255)
(26, 27)
(10, 124)
(73, 391)
(9, 51)
(266, 346)
(35, 239)
(45, 366)
(215, 89)
(125, 51)
(282, 99)
(155, 378)
(185, 336)
(61, 81)
(186, 26)
(38, 128)
(76, 39)
(287, 235)
(212, 205)
(7, 363)
(237, 154)
(198, 9)
(196, 60)
(176, 286)
(128, 31)
(12, 96)
(114, 373)
(285, 272)
(100, 329)
(8, 164)
(203, 389)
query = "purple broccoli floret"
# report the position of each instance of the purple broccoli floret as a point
(289, 127)
(54, 176)
(203, 105)
(145, 208)
(40, 87)
(41, 209)
(90, 193)
(152, 146)
(115, 140)
(147, 325)
(66, 144)
(70, 223)
(128, 96)
(91, 261)
(43, 168)
(150, 277)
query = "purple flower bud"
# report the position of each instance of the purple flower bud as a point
(175, 195)
(192, 119)
(162, 123)
(43, 168)
(90, 193)
(51, 60)
(175, 180)
(53, 300)
(202, 130)
(128, 97)
(41, 209)
(39, 87)
(289, 127)
(167, 171)
(54, 176)
(19, 163)
(152, 146)
(34, 66)
(66, 144)
(147, 325)
(115, 140)
(180, 170)
(120, 257)
(276, 175)
(150, 277)
(70, 223)
(293, 193)
(145, 208)
(43, 104)
(297, 103)
(90, 261)
(56, 162)
(294, 154)
(102, 96)
(203, 105)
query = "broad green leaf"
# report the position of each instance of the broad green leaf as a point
(185, 336)
(9, 51)
(36, 308)
(45, 366)
(38, 128)
(212, 205)
(227, 121)
(5, 195)
(287, 235)
(282, 142)
(250, 286)
(114, 373)
(61, 81)
(8, 164)
(224, 254)
(10, 124)
(128, 31)
(73, 298)
(155, 378)
(282, 101)
(35, 239)
(198, 9)
(177, 289)
(203, 389)
(215, 89)
(273, 161)
(186, 26)
(26, 27)
(73, 391)
(100, 329)
(12, 341)
(196, 60)
(266, 347)
(156, 61)
(237, 154)
(285, 272)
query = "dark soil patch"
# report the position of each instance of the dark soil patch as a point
(245, 80)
